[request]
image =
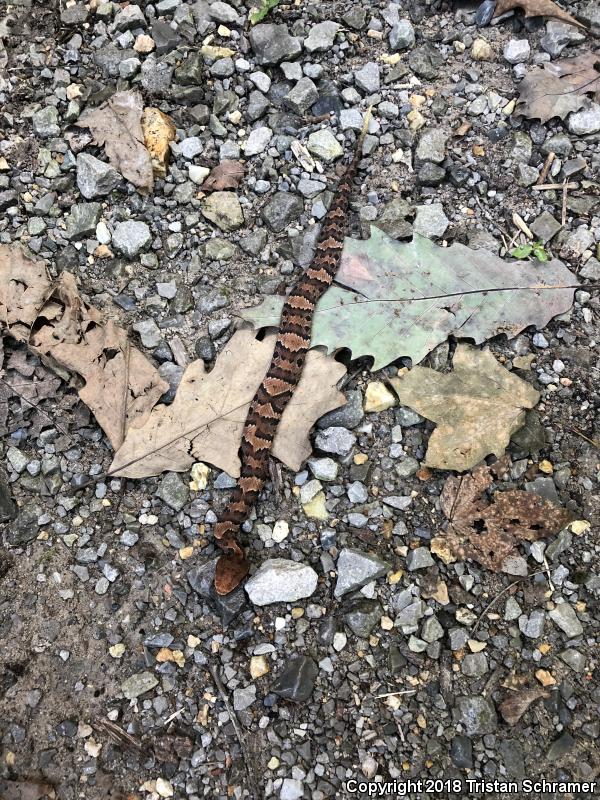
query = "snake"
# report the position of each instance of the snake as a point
(282, 377)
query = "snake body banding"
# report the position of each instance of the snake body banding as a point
(283, 375)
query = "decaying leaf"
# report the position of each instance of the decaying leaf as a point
(159, 131)
(121, 386)
(490, 532)
(226, 175)
(395, 299)
(116, 126)
(168, 746)
(300, 152)
(559, 87)
(517, 703)
(29, 380)
(26, 790)
(537, 8)
(205, 420)
(476, 407)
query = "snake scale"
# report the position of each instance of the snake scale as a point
(281, 379)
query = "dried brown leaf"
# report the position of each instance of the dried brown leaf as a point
(489, 533)
(462, 493)
(23, 289)
(206, 418)
(78, 140)
(517, 703)
(477, 407)
(121, 386)
(22, 362)
(159, 131)
(26, 790)
(537, 8)
(226, 175)
(116, 126)
(168, 747)
(559, 87)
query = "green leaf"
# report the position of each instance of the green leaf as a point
(521, 251)
(540, 253)
(263, 9)
(397, 299)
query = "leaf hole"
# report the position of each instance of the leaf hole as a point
(480, 525)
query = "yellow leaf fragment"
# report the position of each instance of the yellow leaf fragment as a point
(159, 131)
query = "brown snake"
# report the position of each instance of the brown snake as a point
(281, 379)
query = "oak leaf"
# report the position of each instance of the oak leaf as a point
(116, 126)
(121, 385)
(25, 790)
(206, 418)
(537, 8)
(393, 299)
(559, 87)
(477, 407)
(489, 532)
(226, 175)
(517, 703)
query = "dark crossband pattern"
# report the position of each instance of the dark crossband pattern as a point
(277, 388)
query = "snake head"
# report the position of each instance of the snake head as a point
(230, 572)
(232, 566)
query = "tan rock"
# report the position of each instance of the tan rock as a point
(441, 594)
(144, 44)
(315, 508)
(259, 666)
(439, 547)
(481, 50)
(475, 646)
(545, 678)
(199, 476)
(378, 397)
(416, 120)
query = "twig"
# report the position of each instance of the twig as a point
(546, 186)
(488, 216)
(253, 784)
(546, 168)
(395, 694)
(494, 600)
(547, 570)
(565, 189)
(400, 732)
(173, 716)
(118, 735)
(586, 438)
(349, 376)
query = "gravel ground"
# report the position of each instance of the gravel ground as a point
(121, 674)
